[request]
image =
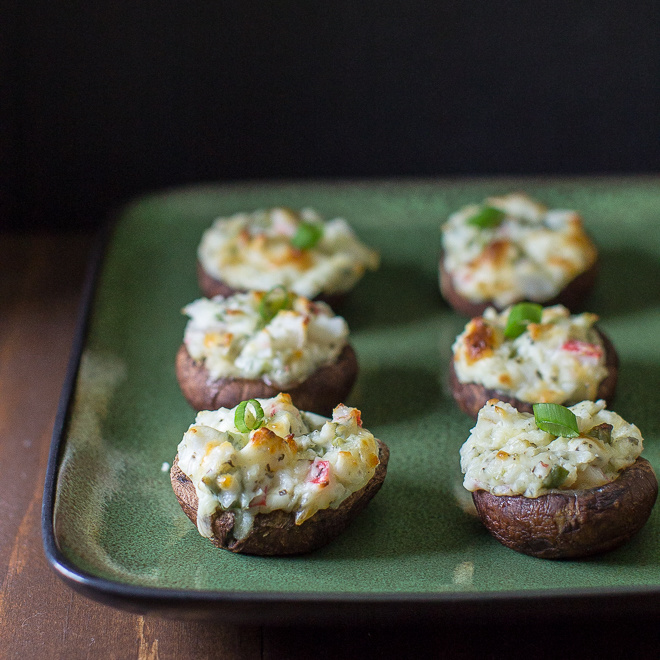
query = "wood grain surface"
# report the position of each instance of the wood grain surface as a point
(40, 617)
(40, 283)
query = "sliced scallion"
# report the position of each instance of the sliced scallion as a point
(520, 316)
(247, 420)
(602, 433)
(307, 235)
(486, 217)
(556, 477)
(556, 420)
(273, 302)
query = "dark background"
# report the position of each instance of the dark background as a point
(101, 101)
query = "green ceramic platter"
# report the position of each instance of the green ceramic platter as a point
(113, 528)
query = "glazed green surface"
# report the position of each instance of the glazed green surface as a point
(116, 516)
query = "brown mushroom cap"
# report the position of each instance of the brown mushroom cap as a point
(276, 533)
(328, 386)
(471, 397)
(572, 523)
(210, 287)
(571, 296)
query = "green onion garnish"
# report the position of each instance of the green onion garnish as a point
(273, 302)
(556, 420)
(602, 433)
(556, 477)
(245, 420)
(487, 217)
(307, 235)
(520, 316)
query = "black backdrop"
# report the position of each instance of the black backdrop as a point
(101, 101)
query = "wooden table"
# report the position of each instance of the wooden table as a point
(40, 617)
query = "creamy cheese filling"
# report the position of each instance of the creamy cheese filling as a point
(507, 454)
(295, 462)
(232, 338)
(530, 255)
(560, 360)
(255, 251)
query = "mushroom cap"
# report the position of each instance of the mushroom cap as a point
(276, 533)
(324, 389)
(572, 523)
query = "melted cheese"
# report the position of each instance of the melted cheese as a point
(296, 462)
(254, 251)
(560, 360)
(507, 454)
(531, 255)
(230, 337)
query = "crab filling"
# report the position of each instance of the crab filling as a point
(507, 454)
(258, 335)
(293, 461)
(519, 251)
(280, 246)
(559, 360)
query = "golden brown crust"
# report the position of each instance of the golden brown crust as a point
(480, 340)
(571, 296)
(564, 524)
(328, 386)
(276, 533)
(471, 397)
(211, 287)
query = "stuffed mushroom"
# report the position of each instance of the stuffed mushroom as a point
(267, 479)
(511, 249)
(299, 250)
(560, 483)
(257, 344)
(529, 354)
